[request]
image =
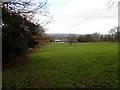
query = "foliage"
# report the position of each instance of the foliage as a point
(57, 65)
(17, 34)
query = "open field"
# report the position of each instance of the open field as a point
(82, 65)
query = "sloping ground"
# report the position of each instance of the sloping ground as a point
(82, 65)
(17, 61)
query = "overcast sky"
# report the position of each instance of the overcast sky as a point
(81, 16)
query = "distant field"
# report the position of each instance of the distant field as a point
(82, 65)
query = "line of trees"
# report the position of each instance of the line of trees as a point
(19, 32)
(97, 37)
(113, 35)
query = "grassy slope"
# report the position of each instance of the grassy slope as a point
(61, 65)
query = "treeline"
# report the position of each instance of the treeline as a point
(113, 35)
(19, 33)
(96, 37)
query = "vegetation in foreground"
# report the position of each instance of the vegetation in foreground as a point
(82, 65)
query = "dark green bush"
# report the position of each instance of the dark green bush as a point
(17, 34)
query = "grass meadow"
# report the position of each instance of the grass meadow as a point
(59, 65)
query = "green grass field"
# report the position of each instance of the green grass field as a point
(82, 65)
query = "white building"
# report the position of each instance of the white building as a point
(60, 41)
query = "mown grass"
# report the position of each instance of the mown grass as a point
(59, 65)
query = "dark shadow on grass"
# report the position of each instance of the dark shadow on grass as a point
(15, 62)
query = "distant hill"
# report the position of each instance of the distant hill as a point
(61, 34)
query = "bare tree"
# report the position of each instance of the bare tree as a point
(71, 38)
(96, 37)
(29, 9)
(113, 3)
(81, 38)
(113, 33)
(88, 38)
